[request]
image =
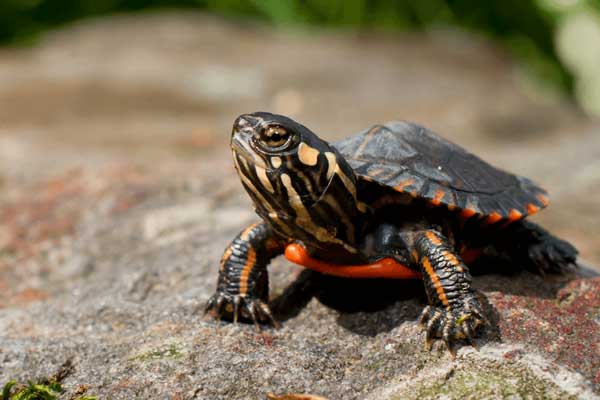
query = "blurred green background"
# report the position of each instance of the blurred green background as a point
(557, 42)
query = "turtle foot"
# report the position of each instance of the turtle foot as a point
(237, 306)
(461, 321)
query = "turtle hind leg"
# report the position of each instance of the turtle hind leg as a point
(552, 255)
(537, 249)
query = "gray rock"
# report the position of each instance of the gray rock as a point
(118, 197)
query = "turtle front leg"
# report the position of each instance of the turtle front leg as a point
(243, 284)
(453, 312)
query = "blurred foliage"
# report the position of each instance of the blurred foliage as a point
(45, 390)
(33, 391)
(526, 27)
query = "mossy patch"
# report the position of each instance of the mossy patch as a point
(32, 391)
(488, 380)
(36, 391)
(172, 351)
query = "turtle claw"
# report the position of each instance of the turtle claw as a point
(428, 321)
(209, 305)
(428, 344)
(425, 316)
(451, 350)
(474, 345)
(266, 314)
(218, 307)
(236, 307)
(460, 322)
(251, 310)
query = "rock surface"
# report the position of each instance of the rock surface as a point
(118, 197)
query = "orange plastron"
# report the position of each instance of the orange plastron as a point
(384, 268)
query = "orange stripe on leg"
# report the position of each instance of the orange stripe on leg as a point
(225, 257)
(451, 258)
(246, 234)
(250, 262)
(433, 238)
(435, 280)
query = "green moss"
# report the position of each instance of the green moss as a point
(172, 351)
(46, 390)
(484, 381)
(375, 365)
(32, 391)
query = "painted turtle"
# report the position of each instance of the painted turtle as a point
(395, 201)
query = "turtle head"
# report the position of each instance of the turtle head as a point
(289, 172)
(281, 158)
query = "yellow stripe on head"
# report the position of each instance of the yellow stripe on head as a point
(304, 220)
(276, 162)
(351, 187)
(308, 155)
(264, 179)
(331, 164)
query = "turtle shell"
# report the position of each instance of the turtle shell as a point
(412, 159)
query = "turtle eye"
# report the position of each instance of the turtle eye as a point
(274, 137)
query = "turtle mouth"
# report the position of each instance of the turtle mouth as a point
(243, 149)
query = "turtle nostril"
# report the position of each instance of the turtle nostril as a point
(241, 122)
(243, 126)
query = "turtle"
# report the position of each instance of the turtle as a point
(395, 201)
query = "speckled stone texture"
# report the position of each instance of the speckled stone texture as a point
(118, 196)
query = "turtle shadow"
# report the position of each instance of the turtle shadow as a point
(363, 304)
(371, 306)
(496, 275)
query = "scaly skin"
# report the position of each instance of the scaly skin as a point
(243, 285)
(454, 311)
